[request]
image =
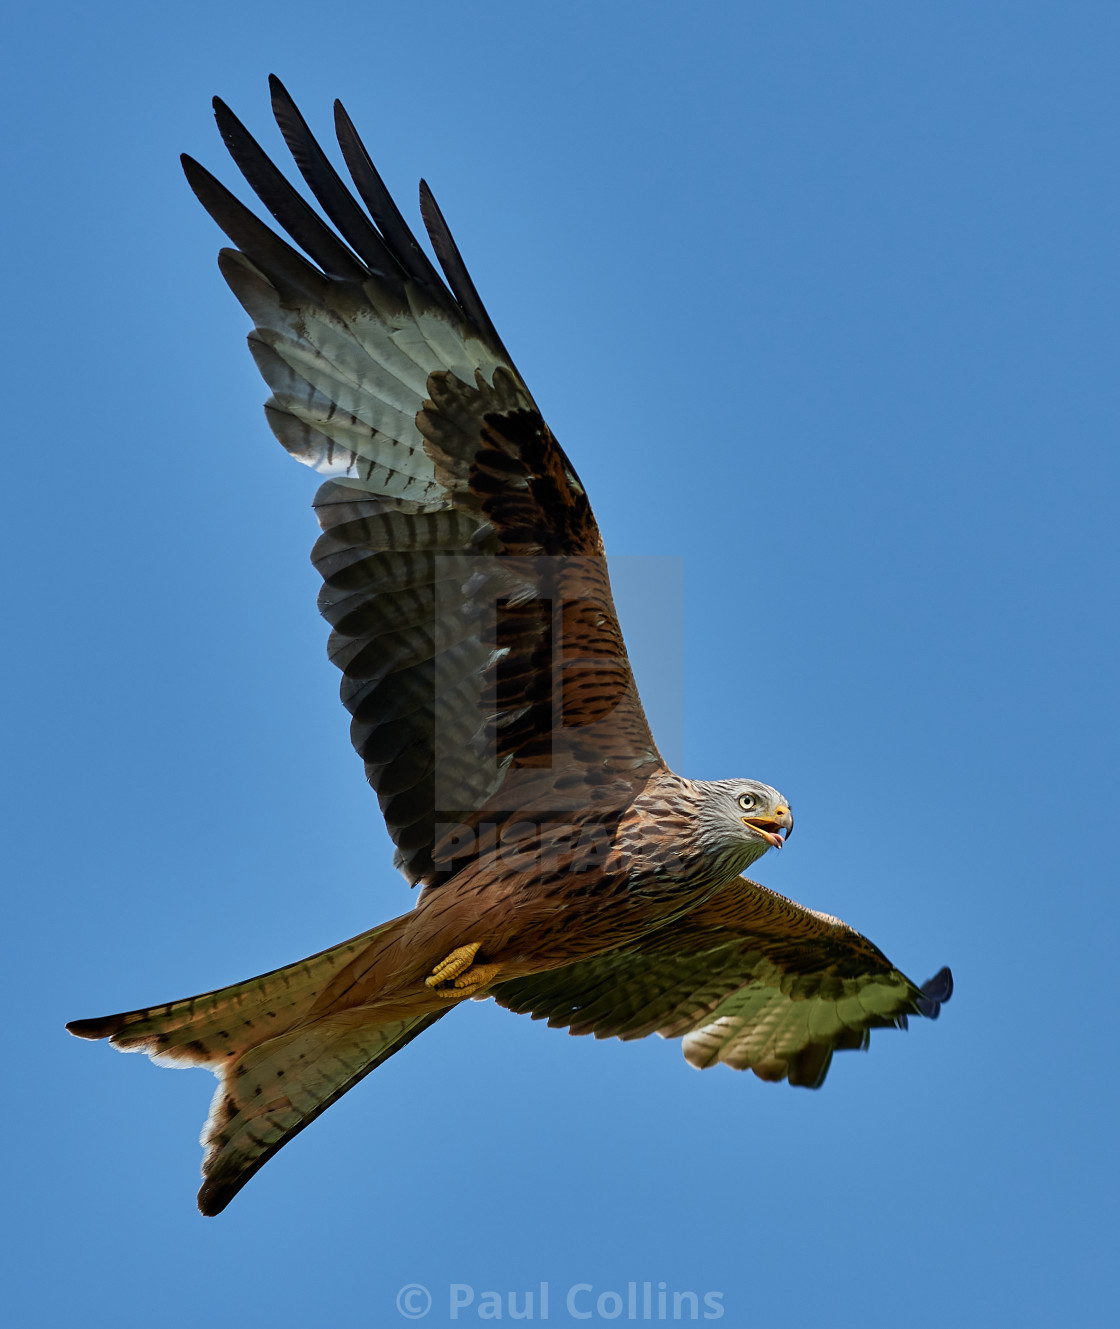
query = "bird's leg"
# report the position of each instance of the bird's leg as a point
(463, 976)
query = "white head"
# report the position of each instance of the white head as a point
(742, 818)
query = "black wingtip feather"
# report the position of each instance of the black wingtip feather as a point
(257, 242)
(373, 193)
(454, 269)
(102, 1026)
(386, 248)
(327, 186)
(284, 201)
(935, 992)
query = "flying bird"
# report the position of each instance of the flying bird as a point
(564, 870)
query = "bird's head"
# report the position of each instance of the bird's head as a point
(744, 818)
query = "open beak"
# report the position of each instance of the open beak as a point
(772, 828)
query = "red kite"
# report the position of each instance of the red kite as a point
(565, 870)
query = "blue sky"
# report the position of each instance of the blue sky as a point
(821, 299)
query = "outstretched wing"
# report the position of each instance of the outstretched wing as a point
(463, 570)
(749, 978)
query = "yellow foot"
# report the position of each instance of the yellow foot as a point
(454, 964)
(472, 980)
(458, 970)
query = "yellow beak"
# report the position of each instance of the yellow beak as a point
(771, 828)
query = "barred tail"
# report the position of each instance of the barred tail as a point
(282, 1050)
(273, 1091)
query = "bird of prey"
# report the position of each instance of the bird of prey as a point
(565, 871)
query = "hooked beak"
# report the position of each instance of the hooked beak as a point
(771, 828)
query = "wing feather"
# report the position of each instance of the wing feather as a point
(327, 186)
(384, 211)
(748, 978)
(464, 576)
(286, 204)
(455, 270)
(290, 274)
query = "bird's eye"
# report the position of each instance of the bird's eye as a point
(747, 802)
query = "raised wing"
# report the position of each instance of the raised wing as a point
(463, 570)
(749, 978)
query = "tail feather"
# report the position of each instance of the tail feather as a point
(270, 1094)
(284, 1046)
(208, 1029)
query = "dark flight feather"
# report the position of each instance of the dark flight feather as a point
(455, 270)
(327, 186)
(384, 211)
(253, 238)
(284, 201)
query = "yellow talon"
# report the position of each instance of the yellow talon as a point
(477, 977)
(459, 970)
(451, 966)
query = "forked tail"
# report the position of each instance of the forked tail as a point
(284, 1046)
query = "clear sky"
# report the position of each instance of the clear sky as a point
(822, 300)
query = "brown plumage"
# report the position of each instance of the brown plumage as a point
(565, 871)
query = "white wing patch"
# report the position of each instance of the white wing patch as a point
(348, 383)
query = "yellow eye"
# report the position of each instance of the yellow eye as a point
(748, 802)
